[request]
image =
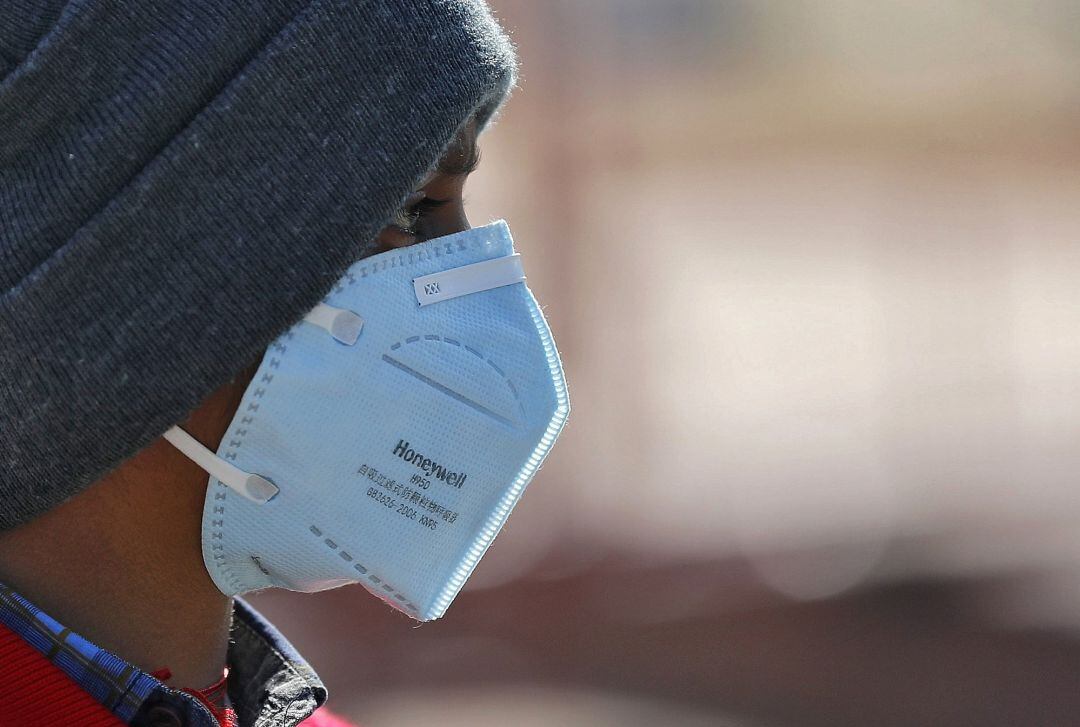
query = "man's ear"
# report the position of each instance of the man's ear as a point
(210, 420)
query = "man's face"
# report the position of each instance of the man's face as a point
(437, 208)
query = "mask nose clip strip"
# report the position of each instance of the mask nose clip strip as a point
(254, 487)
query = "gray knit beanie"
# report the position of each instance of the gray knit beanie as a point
(181, 180)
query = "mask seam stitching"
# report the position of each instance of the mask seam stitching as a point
(494, 523)
(237, 434)
(398, 260)
(365, 572)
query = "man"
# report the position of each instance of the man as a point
(180, 182)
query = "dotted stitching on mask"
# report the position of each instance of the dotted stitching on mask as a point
(363, 571)
(474, 352)
(340, 286)
(221, 493)
(408, 257)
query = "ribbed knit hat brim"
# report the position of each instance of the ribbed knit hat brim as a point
(180, 181)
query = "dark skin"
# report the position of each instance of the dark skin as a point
(121, 563)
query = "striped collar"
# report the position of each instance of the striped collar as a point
(267, 678)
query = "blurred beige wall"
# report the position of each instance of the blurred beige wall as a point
(811, 266)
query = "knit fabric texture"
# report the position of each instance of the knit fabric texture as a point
(181, 180)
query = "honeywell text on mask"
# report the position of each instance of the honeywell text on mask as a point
(427, 466)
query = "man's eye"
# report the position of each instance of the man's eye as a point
(408, 218)
(405, 219)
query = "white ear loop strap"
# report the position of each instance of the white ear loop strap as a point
(342, 324)
(345, 326)
(253, 487)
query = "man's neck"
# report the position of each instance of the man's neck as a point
(121, 565)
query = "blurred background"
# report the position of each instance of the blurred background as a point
(812, 267)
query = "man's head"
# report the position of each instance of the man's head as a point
(149, 257)
(160, 232)
(436, 208)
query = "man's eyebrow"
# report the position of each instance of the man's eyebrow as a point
(464, 159)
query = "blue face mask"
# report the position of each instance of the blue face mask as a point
(385, 439)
